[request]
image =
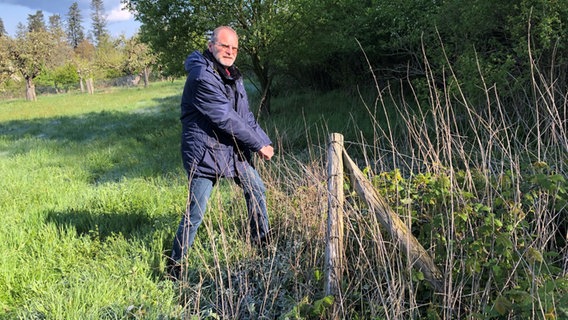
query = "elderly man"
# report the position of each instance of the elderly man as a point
(219, 136)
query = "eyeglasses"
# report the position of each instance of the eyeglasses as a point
(234, 50)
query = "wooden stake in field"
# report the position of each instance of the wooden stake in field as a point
(400, 233)
(334, 250)
(334, 259)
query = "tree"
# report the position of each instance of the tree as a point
(65, 76)
(326, 54)
(21, 29)
(174, 28)
(61, 52)
(55, 28)
(55, 24)
(2, 29)
(316, 42)
(75, 34)
(36, 22)
(109, 58)
(84, 61)
(139, 58)
(543, 25)
(30, 53)
(99, 31)
(61, 48)
(6, 68)
(167, 29)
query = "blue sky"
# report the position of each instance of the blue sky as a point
(119, 21)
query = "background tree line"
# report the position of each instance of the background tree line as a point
(58, 54)
(329, 44)
(292, 44)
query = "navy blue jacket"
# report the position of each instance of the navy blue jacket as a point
(219, 132)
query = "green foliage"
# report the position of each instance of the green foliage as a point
(2, 28)
(61, 78)
(323, 45)
(30, 52)
(6, 69)
(100, 32)
(494, 238)
(66, 77)
(171, 29)
(307, 310)
(75, 33)
(109, 58)
(175, 28)
(138, 56)
(338, 44)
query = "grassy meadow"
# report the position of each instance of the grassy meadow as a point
(89, 191)
(92, 188)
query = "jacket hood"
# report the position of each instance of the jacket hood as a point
(197, 58)
(194, 59)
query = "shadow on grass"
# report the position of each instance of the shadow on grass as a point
(153, 232)
(102, 225)
(109, 145)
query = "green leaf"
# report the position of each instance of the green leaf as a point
(502, 305)
(318, 274)
(321, 305)
(462, 215)
(533, 255)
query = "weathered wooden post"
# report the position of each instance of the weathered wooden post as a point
(334, 249)
(400, 233)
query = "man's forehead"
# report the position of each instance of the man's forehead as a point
(227, 33)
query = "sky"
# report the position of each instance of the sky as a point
(119, 21)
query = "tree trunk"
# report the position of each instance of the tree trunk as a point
(90, 86)
(265, 99)
(261, 72)
(81, 84)
(146, 76)
(30, 90)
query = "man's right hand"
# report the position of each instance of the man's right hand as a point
(266, 152)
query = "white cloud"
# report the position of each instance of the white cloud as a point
(119, 13)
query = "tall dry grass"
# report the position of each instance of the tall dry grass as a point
(457, 171)
(482, 187)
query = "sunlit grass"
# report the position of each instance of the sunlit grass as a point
(123, 99)
(92, 189)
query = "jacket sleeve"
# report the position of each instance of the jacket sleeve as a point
(258, 129)
(212, 102)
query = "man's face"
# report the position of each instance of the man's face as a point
(225, 48)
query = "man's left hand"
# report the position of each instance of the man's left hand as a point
(266, 152)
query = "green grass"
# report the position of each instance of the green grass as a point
(304, 118)
(92, 189)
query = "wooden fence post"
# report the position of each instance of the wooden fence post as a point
(334, 249)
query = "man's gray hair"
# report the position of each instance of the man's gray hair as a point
(215, 33)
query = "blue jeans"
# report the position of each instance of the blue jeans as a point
(199, 193)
